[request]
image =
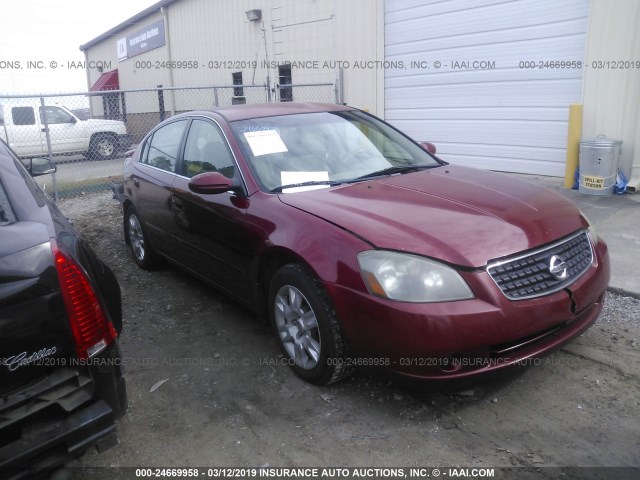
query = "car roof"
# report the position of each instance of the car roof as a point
(243, 112)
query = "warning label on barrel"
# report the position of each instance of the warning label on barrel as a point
(593, 182)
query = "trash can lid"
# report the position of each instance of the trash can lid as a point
(600, 141)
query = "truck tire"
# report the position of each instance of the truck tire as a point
(103, 147)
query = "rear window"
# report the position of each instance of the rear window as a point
(23, 116)
(6, 212)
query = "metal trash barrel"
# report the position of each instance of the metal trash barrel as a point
(599, 159)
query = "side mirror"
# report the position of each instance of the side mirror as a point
(210, 183)
(41, 166)
(429, 147)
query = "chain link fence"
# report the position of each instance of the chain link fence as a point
(87, 134)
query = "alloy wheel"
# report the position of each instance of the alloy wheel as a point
(297, 327)
(136, 238)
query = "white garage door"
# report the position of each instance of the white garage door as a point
(488, 81)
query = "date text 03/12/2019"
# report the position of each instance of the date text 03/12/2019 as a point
(315, 472)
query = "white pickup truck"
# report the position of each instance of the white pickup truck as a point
(22, 126)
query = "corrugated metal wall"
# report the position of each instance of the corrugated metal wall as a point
(612, 79)
(219, 37)
(494, 115)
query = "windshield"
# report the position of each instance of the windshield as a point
(325, 149)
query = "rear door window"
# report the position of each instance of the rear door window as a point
(23, 116)
(163, 148)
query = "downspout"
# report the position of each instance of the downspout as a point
(165, 17)
(86, 71)
(634, 179)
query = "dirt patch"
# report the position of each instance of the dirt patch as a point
(227, 400)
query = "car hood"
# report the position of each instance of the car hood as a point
(460, 215)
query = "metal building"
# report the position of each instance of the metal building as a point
(506, 73)
(179, 43)
(490, 82)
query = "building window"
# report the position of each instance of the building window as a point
(237, 80)
(111, 106)
(284, 78)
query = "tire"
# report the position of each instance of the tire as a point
(103, 147)
(306, 326)
(138, 242)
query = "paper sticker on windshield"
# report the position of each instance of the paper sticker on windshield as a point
(292, 178)
(264, 142)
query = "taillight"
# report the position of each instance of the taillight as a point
(92, 330)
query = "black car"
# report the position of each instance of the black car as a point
(61, 377)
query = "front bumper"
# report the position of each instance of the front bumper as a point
(124, 141)
(472, 338)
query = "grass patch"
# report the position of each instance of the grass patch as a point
(79, 188)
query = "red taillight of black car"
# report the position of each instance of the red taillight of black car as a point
(91, 328)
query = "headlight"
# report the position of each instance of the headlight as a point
(410, 278)
(592, 228)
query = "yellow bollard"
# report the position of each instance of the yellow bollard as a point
(573, 144)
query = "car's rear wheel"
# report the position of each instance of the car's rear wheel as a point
(306, 326)
(103, 147)
(137, 239)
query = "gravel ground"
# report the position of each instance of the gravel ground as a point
(207, 388)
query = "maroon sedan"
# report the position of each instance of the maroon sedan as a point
(363, 247)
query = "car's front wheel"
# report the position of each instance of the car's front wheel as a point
(306, 326)
(135, 236)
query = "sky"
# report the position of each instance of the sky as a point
(48, 34)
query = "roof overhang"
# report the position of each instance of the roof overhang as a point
(107, 81)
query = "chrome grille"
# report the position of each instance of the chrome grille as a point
(530, 275)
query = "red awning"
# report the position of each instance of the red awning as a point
(107, 81)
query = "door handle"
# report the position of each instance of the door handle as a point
(43, 130)
(177, 203)
(180, 217)
(136, 182)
